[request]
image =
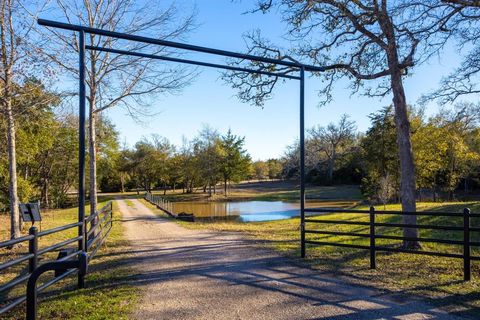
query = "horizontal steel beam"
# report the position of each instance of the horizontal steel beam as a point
(172, 44)
(193, 62)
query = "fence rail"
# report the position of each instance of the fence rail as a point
(463, 228)
(94, 237)
(161, 203)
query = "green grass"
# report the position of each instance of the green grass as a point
(315, 193)
(270, 191)
(434, 278)
(107, 295)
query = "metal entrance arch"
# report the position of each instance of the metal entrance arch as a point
(82, 30)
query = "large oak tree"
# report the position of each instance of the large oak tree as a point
(372, 44)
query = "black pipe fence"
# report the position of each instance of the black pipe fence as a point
(34, 258)
(464, 228)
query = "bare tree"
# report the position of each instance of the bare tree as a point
(373, 44)
(464, 80)
(19, 61)
(332, 140)
(464, 3)
(115, 80)
(386, 190)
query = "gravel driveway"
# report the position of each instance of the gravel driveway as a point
(191, 274)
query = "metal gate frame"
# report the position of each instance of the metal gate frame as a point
(82, 30)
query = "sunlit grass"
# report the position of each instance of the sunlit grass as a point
(107, 296)
(436, 278)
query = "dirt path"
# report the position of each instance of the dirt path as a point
(191, 274)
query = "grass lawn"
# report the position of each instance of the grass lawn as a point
(433, 278)
(107, 295)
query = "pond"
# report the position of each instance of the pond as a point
(247, 211)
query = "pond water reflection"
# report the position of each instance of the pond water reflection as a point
(248, 211)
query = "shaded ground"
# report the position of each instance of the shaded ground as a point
(194, 274)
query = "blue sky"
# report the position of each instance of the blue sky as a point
(269, 130)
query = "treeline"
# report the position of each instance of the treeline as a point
(155, 163)
(446, 149)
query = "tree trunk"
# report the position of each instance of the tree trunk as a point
(402, 124)
(407, 169)
(331, 164)
(45, 195)
(225, 187)
(122, 183)
(93, 161)
(92, 145)
(15, 224)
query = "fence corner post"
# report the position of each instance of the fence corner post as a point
(466, 245)
(33, 249)
(373, 263)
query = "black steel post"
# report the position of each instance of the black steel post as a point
(33, 249)
(373, 263)
(302, 161)
(81, 150)
(466, 245)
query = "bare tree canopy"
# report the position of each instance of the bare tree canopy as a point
(333, 140)
(351, 39)
(464, 80)
(465, 3)
(115, 79)
(118, 80)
